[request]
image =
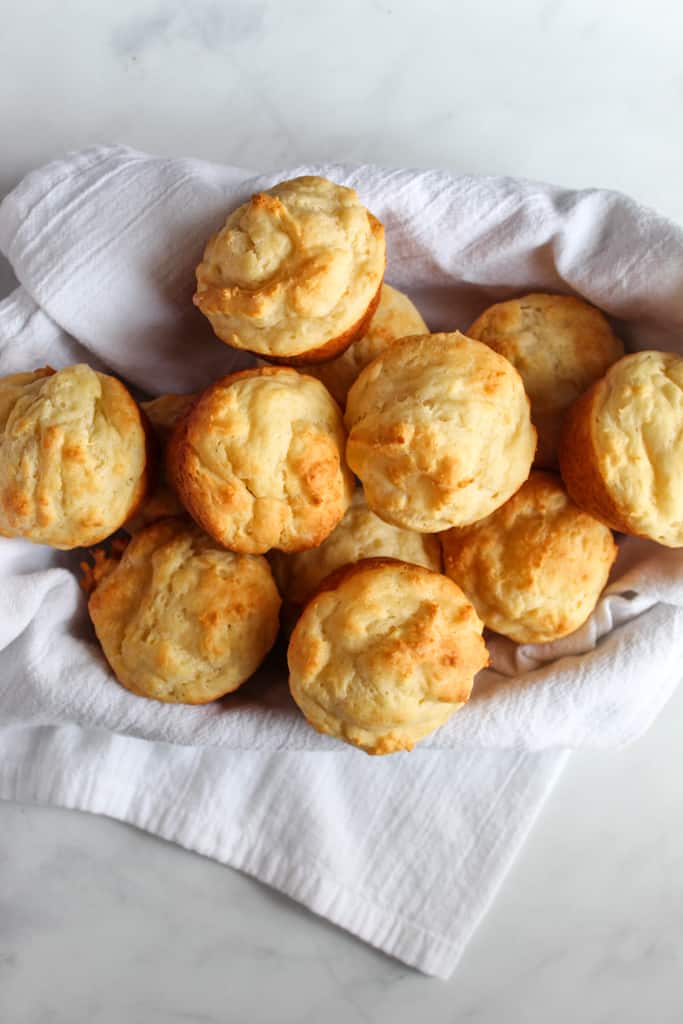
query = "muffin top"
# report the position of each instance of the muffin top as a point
(560, 345)
(163, 413)
(360, 534)
(258, 461)
(634, 426)
(73, 456)
(439, 432)
(535, 568)
(179, 618)
(384, 654)
(294, 271)
(396, 317)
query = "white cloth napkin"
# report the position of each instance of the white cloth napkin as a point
(406, 852)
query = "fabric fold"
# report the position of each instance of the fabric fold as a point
(406, 855)
(407, 851)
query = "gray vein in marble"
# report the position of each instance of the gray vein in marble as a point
(209, 24)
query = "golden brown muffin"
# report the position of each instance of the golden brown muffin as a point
(259, 461)
(162, 413)
(295, 273)
(621, 450)
(360, 534)
(179, 618)
(384, 654)
(560, 345)
(74, 456)
(396, 317)
(165, 411)
(439, 432)
(535, 568)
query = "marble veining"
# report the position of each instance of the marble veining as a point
(206, 24)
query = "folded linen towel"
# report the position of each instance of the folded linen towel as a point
(406, 852)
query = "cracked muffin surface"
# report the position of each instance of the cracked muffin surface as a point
(360, 534)
(439, 432)
(295, 273)
(535, 568)
(560, 345)
(621, 449)
(74, 456)
(384, 654)
(395, 317)
(163, 413)
(259, 461)
(181, 619)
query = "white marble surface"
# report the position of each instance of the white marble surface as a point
(99, 923)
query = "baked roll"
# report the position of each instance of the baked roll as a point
(396, 317)
(162, 413)
(259, 461)
(179, 618)
(360, 534)
(560, 345)
(439, 432)
(295, 273)
(74, 456)
(535, 568)
(384, 654)
(165, 411)
(621, 450)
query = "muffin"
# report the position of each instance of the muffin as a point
(259, 461)
(180, 619)
(165, 411)
(621, 450)
(384, 654)
(294, 275)
(74, 456)
(360, 534)
(535, 568)
(162, 413)
(396, 317)
(439, 432)
(560, 345)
